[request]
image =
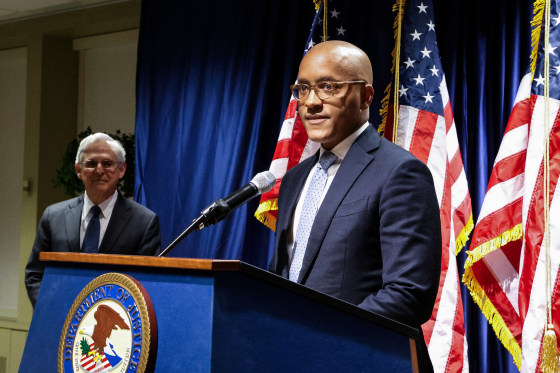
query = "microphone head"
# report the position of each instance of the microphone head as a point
(264, 181)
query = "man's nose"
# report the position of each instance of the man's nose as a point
(313, 99)
(99, 168)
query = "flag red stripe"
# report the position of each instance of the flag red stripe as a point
(520, 115)
(299, 139)
(497, 222)
(388, 133)
(445, 212)
(456, 167)
(508, 168)
(423, 135)
(500, 301)
(534, 229)
(291, 110)
(455, 358)
(461, 215)
(282, 149)
(448, 115)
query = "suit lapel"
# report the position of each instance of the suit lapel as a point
(119, 220)
(72, 220)
(359, 156)
(292, 183)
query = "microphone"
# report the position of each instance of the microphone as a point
(219, 209)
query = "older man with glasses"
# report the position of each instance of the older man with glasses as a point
(99, 221)
(360, 220)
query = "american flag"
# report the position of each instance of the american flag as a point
(506, 268)
(293, 145)
(426, 129)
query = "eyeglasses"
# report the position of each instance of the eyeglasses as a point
(324, 90)
(107, 165)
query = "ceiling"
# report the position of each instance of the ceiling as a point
(11, 10)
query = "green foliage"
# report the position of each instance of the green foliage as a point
(84, 346)
(66, 174)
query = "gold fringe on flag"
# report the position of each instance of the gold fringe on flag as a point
(479, 296)
(263, 213)
(495, 243)
(493, 316)
(317, 4)
(397, 23)
(536, 26)
(461, 241)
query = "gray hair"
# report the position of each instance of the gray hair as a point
(115, 145)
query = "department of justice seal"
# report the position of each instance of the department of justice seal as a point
(111, 327)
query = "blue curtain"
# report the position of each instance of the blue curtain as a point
(212, 83)
(212, 89)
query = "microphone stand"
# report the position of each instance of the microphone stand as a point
(212, 214)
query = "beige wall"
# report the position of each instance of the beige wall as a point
(55, 75)
(12, 124)
(106, 98)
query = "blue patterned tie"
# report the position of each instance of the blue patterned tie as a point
(309, 210)
(91, 239)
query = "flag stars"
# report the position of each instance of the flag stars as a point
(334, 13)
(311, 44)
(434, 71)
(428, 98)
(409, 62)
(425, 53)
(341, 31)
(540, 80)
(402, 91)
(422, 8)
(416, 35)
(431, 26)
(419, 80)
(551, 49)
(557, 69)
(557, 20)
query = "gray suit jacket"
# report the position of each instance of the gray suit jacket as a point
(132, 230)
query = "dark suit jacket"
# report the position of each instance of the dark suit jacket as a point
(132, 230)
(376, 239)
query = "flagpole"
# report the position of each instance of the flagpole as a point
(549, 362)
(400, 4)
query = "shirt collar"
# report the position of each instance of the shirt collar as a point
(342, 147)
(105, 206)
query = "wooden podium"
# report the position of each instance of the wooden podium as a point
(225, 316)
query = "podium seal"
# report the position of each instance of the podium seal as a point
(111, 327)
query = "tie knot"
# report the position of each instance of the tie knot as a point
(327, 160)
(95, 211)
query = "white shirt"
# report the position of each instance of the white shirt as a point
(104, 216)
(340, 151)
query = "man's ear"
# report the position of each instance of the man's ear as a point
(367, 96)
(122, 170)
(78, 170)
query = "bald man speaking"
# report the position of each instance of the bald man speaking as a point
(360, 220)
